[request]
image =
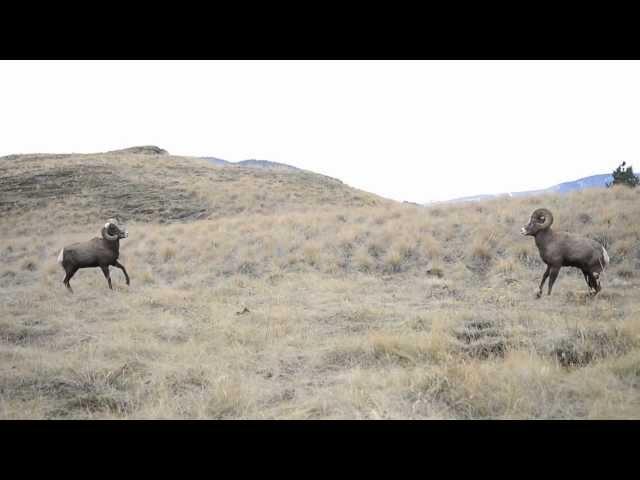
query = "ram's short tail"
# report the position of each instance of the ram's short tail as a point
(604, 263)
(605, 257)
(61, 256)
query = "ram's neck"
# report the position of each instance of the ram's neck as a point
(543, 237)
(114, 245)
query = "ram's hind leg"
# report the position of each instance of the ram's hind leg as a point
(105, 270)
(67, 278)
(595, 282)
(589, 280)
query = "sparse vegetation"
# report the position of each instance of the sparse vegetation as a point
(294, 296)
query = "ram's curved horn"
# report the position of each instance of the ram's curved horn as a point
(548, 217)
(105, 231)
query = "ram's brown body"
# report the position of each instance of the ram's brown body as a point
(563, 249)
(569, 250)
(94, 253)
(97, 252)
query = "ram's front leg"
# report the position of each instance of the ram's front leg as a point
(544, 279)
(553, 274)
(117, 264)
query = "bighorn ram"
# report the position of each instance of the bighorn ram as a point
(562, 249)
(97, 252)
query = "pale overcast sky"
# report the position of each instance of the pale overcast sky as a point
(407, 130)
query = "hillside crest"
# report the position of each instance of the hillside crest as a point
(142, 149)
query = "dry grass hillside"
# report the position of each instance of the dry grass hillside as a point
(139, 185)
(261, 294)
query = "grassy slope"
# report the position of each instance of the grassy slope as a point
(358, 307)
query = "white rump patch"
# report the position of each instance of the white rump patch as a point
(606, 257)
(61, 256)
(106, 225)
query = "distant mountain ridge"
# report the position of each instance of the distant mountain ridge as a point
(593, 181)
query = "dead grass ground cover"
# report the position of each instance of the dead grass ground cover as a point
(324, 302)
